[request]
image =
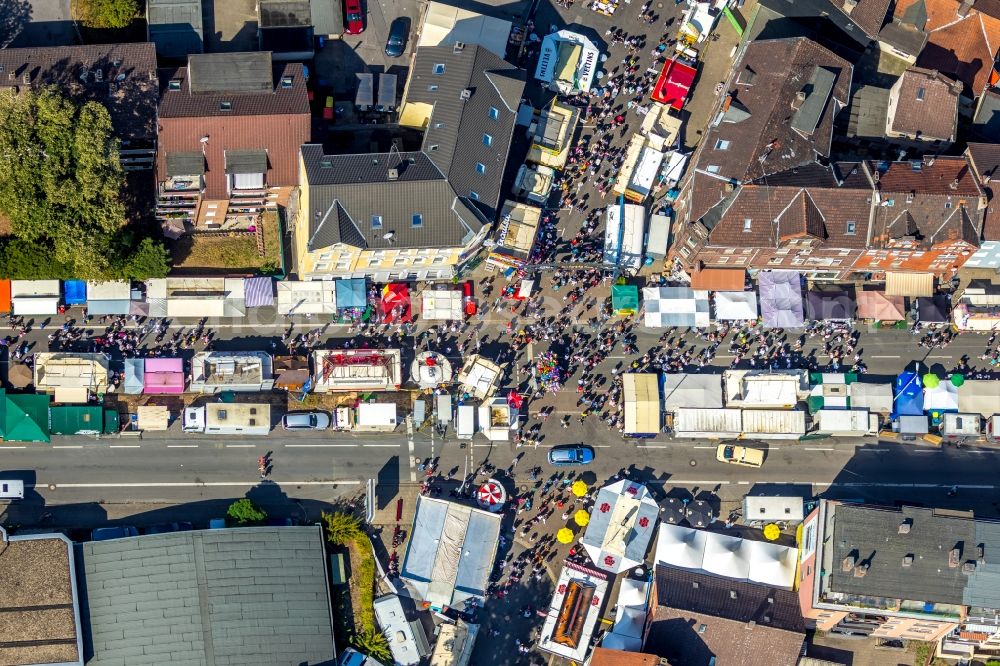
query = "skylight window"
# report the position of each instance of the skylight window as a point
(417, 220)
(225, 106)
(439, 68)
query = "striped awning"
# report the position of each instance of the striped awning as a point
(909, 284)
(258, 291)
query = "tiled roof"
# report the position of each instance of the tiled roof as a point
(765, 142)
(927, 104)
(867, 14)
(903, 36)
(985, 160)
(825, 203)
(122, 77)
(255, 595)
(606, 657)
(280, 100)
(453, 182)
(869, 108)
(928, 176)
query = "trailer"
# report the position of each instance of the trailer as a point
(846, 422)
(466, 422)
(957, 427)
(386, 93)
(774, 423)
(697, 422)
(365, 97)
(224, 418)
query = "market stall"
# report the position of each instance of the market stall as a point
(317, 297)
(515, 236)
(35, 297)
(735, 306)
(622, 525)
(394, 305)
(623, 236)
(879, 306)
(934, 309)
(109, 298)
(441, 305)
(830, 304)
(624, 299)
(674, 83)
(163, 376)
(258, 291)
(74, 292)
(430, 369)
(480, 377)
(781, 299)
(641, 398)
(674, 306)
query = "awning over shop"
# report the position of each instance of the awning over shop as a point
(4, 295)
(675, 306)
(979, 396)
(116, 290)
(351, 293)
(135, 370)
(909, 284)
(881, 307)
(826, 304)
(109, 307)
(306, 297)
(441, 305)
(74, 292)
(719, 279)
(781, 299)
(735, 305)
(394, 306)
(624, 299)
(934, 310)
(164, 376)
(258, 291)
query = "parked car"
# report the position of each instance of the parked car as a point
(739, 455)
(399, 30)
(166, 528)
(355, 20)
(305, 421)
(118, 532)
(571, 454)
(328, 109)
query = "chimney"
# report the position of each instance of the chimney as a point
(798, 100)
(969, 568)
(963, 9)
(861, 569)
(848, 563)
(908, 560)
(953, 185)
(953, 557)
(732, 594)
(904, 527)
(981, 553)
(393, 174)
(849, 6)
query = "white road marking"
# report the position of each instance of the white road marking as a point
(383, 446)
(890, 356)
(66, 446)
(706, 447)
(193, 484)
(743, 483)
(651, 446)
(411, 449)
(318, 446)
(23, 447)
(182, 446)
(240, 446)
(817, 448)
(125, 446)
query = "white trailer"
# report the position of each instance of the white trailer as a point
(222, 418)
(846, 422)
(466, 426)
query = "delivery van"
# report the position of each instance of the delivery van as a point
(11, 489)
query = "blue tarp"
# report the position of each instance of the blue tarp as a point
(74, 292)
(351, 293)
(909, 396)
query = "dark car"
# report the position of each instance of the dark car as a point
(166, 528)
(355, 20)
(399, 30)
(119, 532)
(571, 454)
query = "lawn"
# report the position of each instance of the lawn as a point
(237, 252)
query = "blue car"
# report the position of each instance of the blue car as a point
(120, 532)
(571, 454)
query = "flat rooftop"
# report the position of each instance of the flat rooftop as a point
(38, 611)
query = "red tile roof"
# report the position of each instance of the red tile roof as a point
(867, 14)
(927, 104)
(606, 657)
(929, 176)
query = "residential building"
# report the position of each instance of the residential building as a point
(928, 218)
(703, 619)
(40, 604)
(813, 218)
(245, 595)
(986, 121)
(284, 27)
(777, 114)
(121, 77)
(902, 573)
(860, 20)
(216, 371)
(415, 214)
(903, 37)
(230, 129)
(962, 41)
(984, 158)
(923, 109)
(175, 26)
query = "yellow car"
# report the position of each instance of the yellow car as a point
(739, 455)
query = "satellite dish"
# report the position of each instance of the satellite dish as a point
(204, 139)
(389, 235)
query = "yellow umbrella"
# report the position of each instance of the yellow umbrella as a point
(579, 488)
(581, 518)
(771, 532)
(565, 535)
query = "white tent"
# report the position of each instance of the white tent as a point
(621, 526)
(623, 234)
(441, 304)
(567, 62)
(35, 297)
(318, 297)
(674, 306)
(735, 305)
(943, 397)
(979, 396)
(696, 391)
(680, 546)
(626, 634)
(726, 556)
(770, 563)
(875, 397)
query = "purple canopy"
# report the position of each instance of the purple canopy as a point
(780, 299)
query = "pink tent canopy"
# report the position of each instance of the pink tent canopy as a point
(164, 375)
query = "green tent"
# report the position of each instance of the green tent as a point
(625, 299)
(76, 419)
(24, 417)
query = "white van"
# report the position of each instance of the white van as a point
(466, 426)
(11, 489)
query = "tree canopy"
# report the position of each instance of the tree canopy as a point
(245, 512)
(61, 189)
(107, 13)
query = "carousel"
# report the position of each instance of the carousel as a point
(491, 496)
(430, 369)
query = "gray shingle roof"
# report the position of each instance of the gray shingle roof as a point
(236, 596)
(175, 26)
(462, 160)
(229, 72)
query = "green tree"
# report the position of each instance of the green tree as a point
(24, 260)
(150, 260)
(107, 13)
(373, 643)
(341, 528)
(245, 512)
(62, 180)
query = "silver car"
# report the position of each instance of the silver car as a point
(306, 421)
